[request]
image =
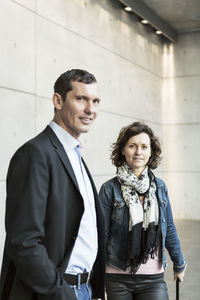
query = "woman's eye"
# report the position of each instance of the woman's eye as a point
(96, 101)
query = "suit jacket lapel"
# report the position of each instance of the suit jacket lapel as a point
(99, 214)
(91, 180)
(65, 160)
(99, 209)
(61, 153)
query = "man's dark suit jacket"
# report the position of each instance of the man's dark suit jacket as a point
(43, 212)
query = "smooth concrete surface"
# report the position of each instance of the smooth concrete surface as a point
(30, 4)
(183, 192)
(106, 24)
(185, 56)
(17, 122)
(181, 124)
(182, 147)
(44, 111)
(17, 47)
(179, 101)
(189, 236)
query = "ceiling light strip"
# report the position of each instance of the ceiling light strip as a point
(144, 12)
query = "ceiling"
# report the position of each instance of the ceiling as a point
(171, 17)
(182, 15)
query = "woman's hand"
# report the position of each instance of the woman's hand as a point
(180, 275)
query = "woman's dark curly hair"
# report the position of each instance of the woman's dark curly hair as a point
(125, 134)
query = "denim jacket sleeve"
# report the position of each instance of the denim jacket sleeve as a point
(169, 233)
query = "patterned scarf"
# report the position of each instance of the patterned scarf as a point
(144, 225)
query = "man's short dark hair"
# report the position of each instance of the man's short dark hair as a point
(63, 84)
(125, 134)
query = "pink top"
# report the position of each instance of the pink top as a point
(152, 266)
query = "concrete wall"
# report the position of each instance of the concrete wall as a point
(41, 39)
(181, 124)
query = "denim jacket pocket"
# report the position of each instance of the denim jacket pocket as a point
(164, 202)
(117, 211)
(162, 197)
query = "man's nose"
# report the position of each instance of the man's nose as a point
(90, 107)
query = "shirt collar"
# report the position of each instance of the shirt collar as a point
(66, 139)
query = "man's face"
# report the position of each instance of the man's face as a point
(80, 108)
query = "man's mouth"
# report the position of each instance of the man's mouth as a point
(86, 120)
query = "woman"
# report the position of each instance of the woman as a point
(139, 222)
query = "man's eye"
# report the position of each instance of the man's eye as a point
(96, 101)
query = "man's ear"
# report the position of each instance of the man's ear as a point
(57, 101)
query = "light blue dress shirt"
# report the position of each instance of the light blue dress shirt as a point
(85, 248)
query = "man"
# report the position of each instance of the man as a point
(54, 223)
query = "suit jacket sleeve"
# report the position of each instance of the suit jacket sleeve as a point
(26, 208)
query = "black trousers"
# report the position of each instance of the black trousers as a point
(136, 287)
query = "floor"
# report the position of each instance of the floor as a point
(189, 235)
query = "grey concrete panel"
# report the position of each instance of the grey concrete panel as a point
(17, 124)
(18, 47)
(106, 25)
(140, 93)
(119, 80)
(30, 4)
(184, 56)
(60, 50)
(181, 124)
(182, 147)
(184, 194)
(180, 101)
(44, 113)
(140, 45)
(91, 20)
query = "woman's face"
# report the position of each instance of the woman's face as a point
(137, 152)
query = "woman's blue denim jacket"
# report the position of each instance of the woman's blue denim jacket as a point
(117, 220)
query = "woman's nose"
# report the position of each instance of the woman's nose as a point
(138, 150)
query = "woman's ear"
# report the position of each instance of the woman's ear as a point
(57, 101)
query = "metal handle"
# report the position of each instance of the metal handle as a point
(177, 289)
